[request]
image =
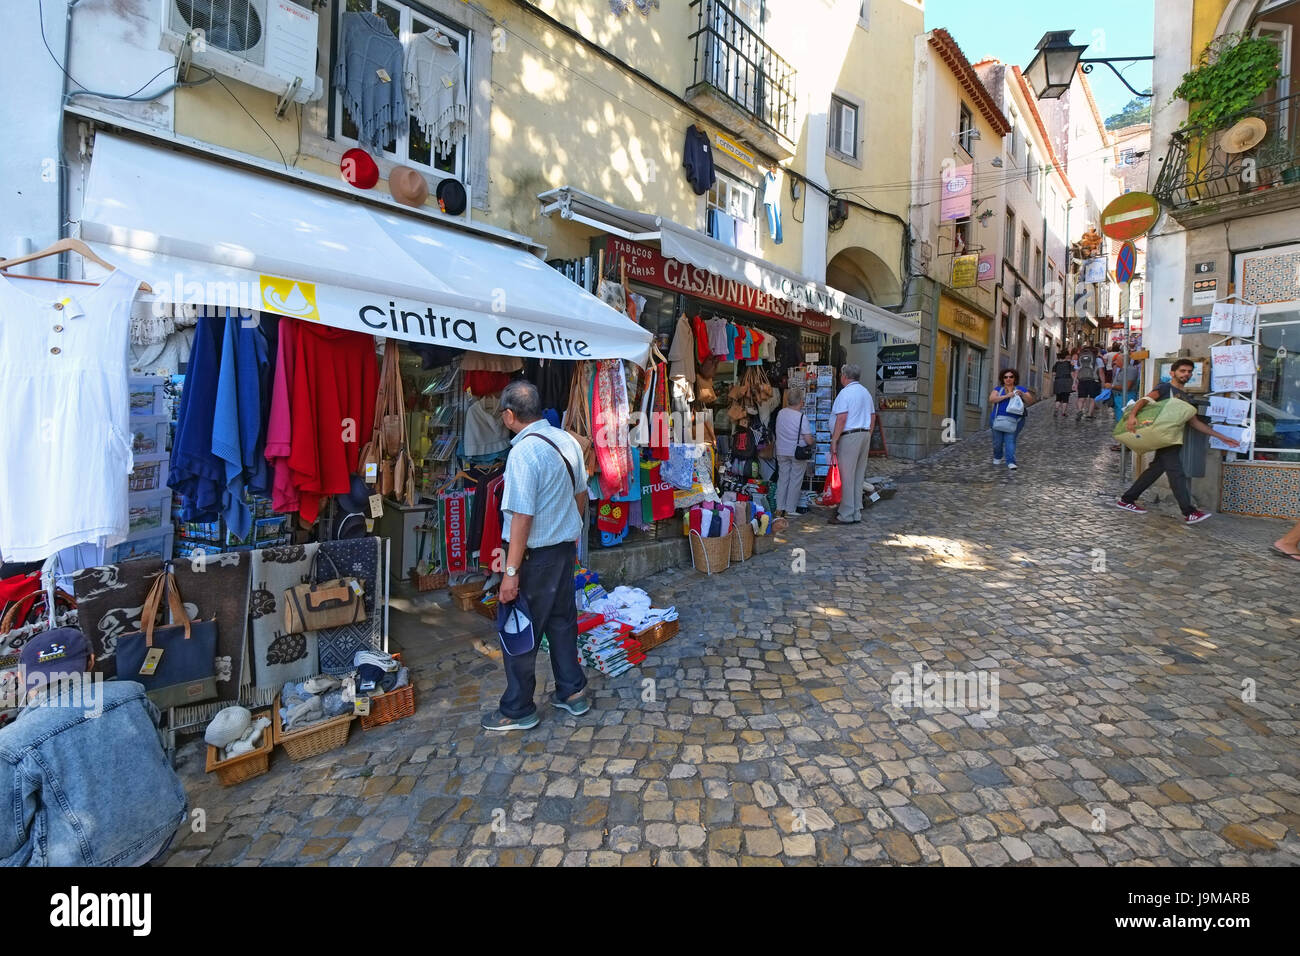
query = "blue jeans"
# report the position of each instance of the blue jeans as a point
(546, 579)
(1004, 443)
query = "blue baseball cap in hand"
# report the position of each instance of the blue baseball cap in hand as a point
(515, 626)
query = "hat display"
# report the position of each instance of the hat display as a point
(60, 650)
(1247, 134)
(408, 186)
(451, 197)
(359, 169)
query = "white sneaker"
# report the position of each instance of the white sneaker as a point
(998, 461)
(1012, 467)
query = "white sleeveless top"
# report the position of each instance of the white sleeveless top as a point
(65, 451)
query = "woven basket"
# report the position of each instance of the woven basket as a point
(311, 741)
(710, 555)
(429, 582)
(386, 708)
(245, 766)
(764, 543)
(660, 633)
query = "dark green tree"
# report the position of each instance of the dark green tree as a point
(1137, 111)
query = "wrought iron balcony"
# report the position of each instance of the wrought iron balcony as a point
(1200, 175)
(740, 81)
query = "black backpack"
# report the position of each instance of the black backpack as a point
(744, 445)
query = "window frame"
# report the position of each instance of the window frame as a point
(965, 127)
(1023, 262)
(974, 376)
(1009, 238)
(735, 188)
(834, 116)
(864, 14)
(401, 154)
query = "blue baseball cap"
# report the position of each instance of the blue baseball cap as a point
(61, 650)
(515, 626)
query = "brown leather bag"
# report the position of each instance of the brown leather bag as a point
(577, 418)
(387, 449)
(331, 603)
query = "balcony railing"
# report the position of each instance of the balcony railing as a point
(1198, 169)
(732, 58)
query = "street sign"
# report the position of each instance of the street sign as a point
(1131, 216)
(1127, 263)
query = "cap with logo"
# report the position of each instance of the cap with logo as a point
(61, 650)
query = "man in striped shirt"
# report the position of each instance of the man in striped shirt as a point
(542, 505)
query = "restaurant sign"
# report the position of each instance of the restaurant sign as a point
(797, 303)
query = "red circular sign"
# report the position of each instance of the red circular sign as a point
(1131, 216)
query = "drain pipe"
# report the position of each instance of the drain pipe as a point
(61, 177)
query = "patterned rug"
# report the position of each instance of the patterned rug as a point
(279, 657)
(358, 558)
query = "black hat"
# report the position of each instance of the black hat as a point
(451, 196)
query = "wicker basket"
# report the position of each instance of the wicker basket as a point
(710, 555)
(488, 611)
(763, 543)
(429, 582)
(244, 767)
(467, 595)
(660, 633)
(386, 708)
(313, 740)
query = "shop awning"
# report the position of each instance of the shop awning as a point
(688, 245)
(205, 233)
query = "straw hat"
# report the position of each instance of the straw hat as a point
(1247, 134)
(407, 186)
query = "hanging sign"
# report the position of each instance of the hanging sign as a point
(958, 190)
(1205, 291)
(988, 268)
(1131, 216)
(965, 271)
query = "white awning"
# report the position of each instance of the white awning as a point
(204, 233)
(690, 246)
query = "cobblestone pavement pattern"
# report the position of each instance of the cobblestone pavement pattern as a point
(769, 735)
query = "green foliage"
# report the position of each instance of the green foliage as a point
(1137, 111)
(1233, 71)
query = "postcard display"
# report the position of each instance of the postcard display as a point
(1234, 365)
(818, 382)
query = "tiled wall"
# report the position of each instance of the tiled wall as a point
(1271, 491)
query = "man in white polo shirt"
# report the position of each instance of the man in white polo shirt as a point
(854, 413)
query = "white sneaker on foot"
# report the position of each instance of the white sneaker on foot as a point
(999, 461)
(1012, 467)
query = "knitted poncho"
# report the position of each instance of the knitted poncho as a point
(378, 107)
(434, 90)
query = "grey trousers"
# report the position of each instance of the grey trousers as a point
(790, 486)
(853, 457)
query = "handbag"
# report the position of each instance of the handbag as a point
(802, 452)
(387, 450)
(1016, 406)
(577, 417)
(333, 603)
(186, 672)
(1006, 424)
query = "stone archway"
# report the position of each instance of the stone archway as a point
(864, 275)
(1238, 16)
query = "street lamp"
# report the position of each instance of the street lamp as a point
(1051, 70)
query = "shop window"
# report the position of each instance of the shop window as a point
(974, 376)
(843, 135)
(737, 200)
(1277, 407)
(413, 146)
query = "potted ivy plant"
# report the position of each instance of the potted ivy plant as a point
(1232, 72)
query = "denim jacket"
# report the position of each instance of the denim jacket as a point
(85, 790)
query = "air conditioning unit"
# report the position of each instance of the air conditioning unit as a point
(269, 44)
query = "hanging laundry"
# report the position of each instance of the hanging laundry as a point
(369, 76)
(279, 431)
(63, 474)
(195, 473)
(697, 159)
(435, 90)
(237, 420)
(336, 377)
(772, 204)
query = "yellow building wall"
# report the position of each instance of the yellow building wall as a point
(1205, 20)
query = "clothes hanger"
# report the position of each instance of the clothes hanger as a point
(459, 476)
(64, 245)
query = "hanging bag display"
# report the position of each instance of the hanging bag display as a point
(176, 662)
(336, 602)
(577, 418)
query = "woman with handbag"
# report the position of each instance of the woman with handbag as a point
(1010, 404)
(794, 449)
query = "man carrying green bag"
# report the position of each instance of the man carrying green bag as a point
(1160, 428)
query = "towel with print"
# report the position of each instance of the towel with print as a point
(656, 494)
(279, 657)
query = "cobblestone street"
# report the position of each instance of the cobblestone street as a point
(772, 733)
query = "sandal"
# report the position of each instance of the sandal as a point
(1286, 554)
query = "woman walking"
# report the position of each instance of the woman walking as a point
(1062, 385)
(792, 431)
(1289, 544)
(1003, 418)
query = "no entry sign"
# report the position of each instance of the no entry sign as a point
(1131, 216)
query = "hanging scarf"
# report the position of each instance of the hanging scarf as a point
(376, 105)
(610, 414)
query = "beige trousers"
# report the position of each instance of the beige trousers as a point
(853, 457)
